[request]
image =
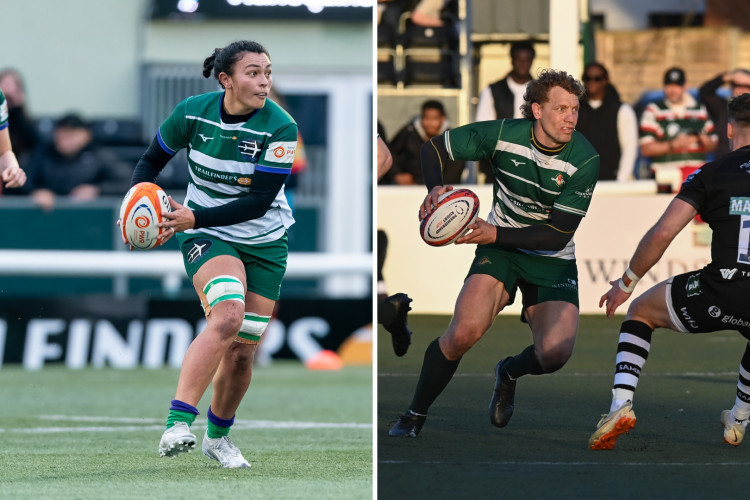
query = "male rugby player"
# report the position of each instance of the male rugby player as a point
(711, 299)
(544, 174)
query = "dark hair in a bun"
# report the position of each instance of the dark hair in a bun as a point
(223, 59)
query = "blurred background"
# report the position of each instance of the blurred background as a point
(448, 55)
(69, 290)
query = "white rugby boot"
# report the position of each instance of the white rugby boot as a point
(224, 451)
(177, 439)
(611, 426)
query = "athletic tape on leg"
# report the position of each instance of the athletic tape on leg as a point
(224, 288)
(253, 326)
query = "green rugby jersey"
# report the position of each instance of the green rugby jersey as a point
(223, 157)
(528, 183)
(3, 111)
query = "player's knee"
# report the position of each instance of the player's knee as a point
(227, 319)
(458, 340)
(553, 359)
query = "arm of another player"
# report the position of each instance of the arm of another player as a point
(11, 174)
(385, 159)
(650, 249)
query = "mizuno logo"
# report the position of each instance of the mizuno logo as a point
(728, 273)
(205, 139)
(516, 162)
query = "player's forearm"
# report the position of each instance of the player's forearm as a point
(434, 156)
(657, 148)
(650, 249)
(539, 237)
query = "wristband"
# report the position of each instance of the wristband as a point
(628, 281)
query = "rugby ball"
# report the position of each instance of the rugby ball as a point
(455, 211)
(140, 214)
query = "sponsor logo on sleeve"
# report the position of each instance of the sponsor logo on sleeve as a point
(586, 194)
(280, 152)
(714, 312)
(4, 111)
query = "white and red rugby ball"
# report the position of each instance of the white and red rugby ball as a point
(140, 214)
(455, 211)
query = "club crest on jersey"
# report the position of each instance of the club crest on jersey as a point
(558, 179)
(746, 167)
(251, 149)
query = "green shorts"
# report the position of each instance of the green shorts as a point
(265, 264)
(541, 279)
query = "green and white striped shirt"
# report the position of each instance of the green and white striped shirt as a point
(223, 158)
(528, 183)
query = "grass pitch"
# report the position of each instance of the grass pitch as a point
(675, 451)
(93, 434)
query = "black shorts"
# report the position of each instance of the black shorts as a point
(693, 311)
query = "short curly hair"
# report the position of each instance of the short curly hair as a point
(537, 91)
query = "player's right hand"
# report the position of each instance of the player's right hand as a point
(431, 200)
(614, 298)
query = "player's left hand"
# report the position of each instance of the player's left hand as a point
(480, 232)
(179, 219)
(614, 298)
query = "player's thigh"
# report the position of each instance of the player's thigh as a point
(265, 267)
(206, 257)
(482, 297)
(653, 306)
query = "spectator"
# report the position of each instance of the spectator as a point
(70, 166)
(503, 99)
(675, 133)
(407, 166)
(23, 132)
(609, 124)
(739, 80)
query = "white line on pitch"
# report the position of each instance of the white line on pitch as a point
(573, 464)
(582, 374)
(149, 424)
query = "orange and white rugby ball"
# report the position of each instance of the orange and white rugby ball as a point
(140, 214)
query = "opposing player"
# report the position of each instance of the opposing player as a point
(544, 176)
(711, 299)
(11, 175)
(232, 230)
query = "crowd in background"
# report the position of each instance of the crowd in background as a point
(665, 136)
